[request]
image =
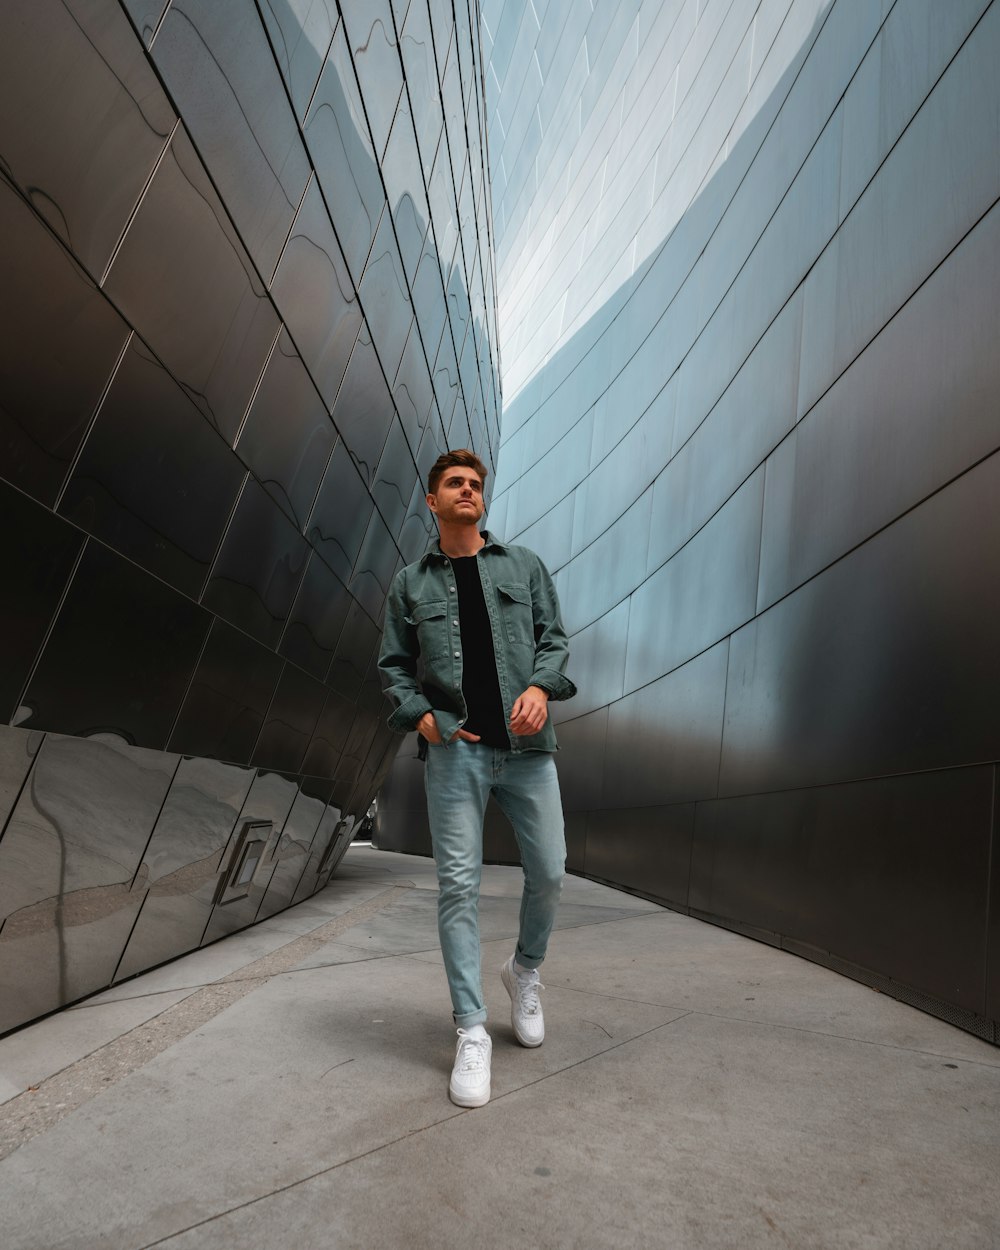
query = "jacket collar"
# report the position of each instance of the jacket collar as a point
(435, 554)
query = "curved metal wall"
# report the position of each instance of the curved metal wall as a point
(748, 261)
(247, 297)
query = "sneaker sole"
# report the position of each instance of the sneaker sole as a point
(468, 1100)
(505, 977)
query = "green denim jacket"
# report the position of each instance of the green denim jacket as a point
(421, 657)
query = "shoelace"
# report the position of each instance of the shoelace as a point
(527, 995)
(472, 1052)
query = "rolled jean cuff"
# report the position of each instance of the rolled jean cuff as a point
(470, 1018)
(525, 961)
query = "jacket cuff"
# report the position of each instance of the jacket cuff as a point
(555, 685)
(405, 717)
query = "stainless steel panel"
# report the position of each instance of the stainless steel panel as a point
(258, 568)
(363, 411)
(385, 297)
(340, 516)
(416, 48)
(301, 32)
(37, 554)
(330, 735)
(316, 619)
(119, 657)
(270, 799)
(218, 66)
(404, 184)
(292, 854)
(46, 298)
(664, 740)
(288, 436)
(180, 866)
(229, 695)
(709, 589)
(184, 281)
(83, 119)
(314, 292)
(18, 748)
(646, 849)
(68, 861)
(159, 490)
(341, 148)
(372, 37)
(884, 663)
(862, 870)
(877, 442)
(290, 721)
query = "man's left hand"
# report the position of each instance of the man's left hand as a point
(530, 712)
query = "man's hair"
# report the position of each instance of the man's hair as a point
(451, 459)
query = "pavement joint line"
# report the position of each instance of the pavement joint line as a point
(41, 1107)
(456, 1113)
(779, 1024)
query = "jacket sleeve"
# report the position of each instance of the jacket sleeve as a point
(551, 645)
(398, 661)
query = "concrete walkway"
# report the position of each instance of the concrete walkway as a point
(287, 1087)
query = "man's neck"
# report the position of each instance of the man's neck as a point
(461, 540)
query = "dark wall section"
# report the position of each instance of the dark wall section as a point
(749, 265)
(246, 303)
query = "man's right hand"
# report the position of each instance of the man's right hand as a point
(427, 728)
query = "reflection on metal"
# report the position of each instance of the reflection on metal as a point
(240, 325)
(247, 855)
(748, 264)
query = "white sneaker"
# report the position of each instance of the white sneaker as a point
(470, 1077)
(525, 1005)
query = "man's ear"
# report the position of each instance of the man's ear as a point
(432, 503)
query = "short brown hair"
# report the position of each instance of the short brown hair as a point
(467, 459)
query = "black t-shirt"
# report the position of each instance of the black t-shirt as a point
(480, 684)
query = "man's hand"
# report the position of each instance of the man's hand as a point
(530, 712)
(427, 728)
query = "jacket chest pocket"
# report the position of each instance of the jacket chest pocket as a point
(515, 609)
(429, 620)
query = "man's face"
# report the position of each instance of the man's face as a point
(458, 499)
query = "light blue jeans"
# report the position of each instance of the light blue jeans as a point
(459, 779)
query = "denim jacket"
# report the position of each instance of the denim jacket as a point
(421, 657)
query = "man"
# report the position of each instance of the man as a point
(472, 652)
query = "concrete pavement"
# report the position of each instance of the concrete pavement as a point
(287, 1087)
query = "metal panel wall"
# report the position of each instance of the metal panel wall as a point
(247, 298)
(748, 261)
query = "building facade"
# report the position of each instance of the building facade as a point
(247, 297)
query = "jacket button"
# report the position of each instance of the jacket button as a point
(458, 655)
(452, 589)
